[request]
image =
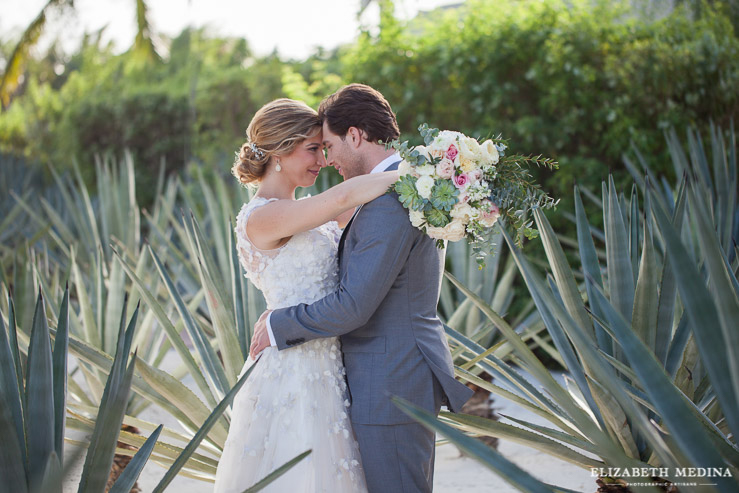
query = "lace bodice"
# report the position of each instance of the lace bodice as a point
(303, 270)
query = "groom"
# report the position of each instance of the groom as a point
(384, 308)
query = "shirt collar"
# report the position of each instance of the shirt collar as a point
(385, 163)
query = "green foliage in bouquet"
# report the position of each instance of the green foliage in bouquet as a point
(437, 218)
(409, 197)
(443, 196)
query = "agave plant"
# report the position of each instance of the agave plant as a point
(648, 339)
(33, 415)
(492, 283)
(33, 423)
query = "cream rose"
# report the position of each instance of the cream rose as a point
(489, 153)
(435, 152)
(454, 231)
(469, 148)
(446, 138)
(466, 165)
(424, 186)
(462, 211)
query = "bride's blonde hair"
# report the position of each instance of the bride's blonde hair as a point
(276, 129)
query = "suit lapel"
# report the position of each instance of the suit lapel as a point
(344, 234)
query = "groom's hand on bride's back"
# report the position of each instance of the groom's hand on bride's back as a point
(260, 340)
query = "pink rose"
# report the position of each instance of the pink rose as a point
(462, 181)
(445, 169)
(475, 175)
(463, 197)
(452, 152)
(489, 213)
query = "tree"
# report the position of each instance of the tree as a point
(19, 56)
(143, 46)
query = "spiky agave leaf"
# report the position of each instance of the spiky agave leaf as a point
(39, 420)
(202, 432)
(130, 474)
(112, 408)
(12, 431)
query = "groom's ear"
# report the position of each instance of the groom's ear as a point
(354, 136)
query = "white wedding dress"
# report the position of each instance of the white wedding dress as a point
(295, 399)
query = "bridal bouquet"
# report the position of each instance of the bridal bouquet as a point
(455, 187)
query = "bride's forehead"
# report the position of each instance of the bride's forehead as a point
(316, 139)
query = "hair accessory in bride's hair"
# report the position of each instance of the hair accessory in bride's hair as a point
(256, 150)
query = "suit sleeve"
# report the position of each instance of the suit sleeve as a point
(385, 238)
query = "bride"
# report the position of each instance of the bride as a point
(288, 249)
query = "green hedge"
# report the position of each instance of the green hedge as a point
(577, 83)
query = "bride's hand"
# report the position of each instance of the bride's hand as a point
(260, 341)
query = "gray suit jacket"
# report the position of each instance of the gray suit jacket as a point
(384, 309)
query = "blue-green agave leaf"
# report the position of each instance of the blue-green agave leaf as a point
(685, 429)
(59, 364)
(39, 397)
(490, 458)
(261, 484)
(703, 318)
(11, 397)
(131, 473)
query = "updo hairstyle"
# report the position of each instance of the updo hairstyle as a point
(276, 129)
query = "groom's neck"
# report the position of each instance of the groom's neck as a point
(374, 155)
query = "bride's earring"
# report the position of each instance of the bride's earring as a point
(278, 168)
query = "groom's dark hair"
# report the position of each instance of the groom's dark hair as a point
(360, 106)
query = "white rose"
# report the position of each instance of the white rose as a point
(404, 168)
(446, 138)
(454, 231)
(462, 211)
(489, 153)
(424, 151)
(424, 186)
(426, 170)
(417, 218)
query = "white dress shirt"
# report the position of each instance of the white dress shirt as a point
(382, 166)
(385, 163)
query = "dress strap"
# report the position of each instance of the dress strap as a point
(253, 258)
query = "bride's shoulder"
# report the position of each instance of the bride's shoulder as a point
(253, 203)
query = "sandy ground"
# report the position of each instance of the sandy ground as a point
(454, 473)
